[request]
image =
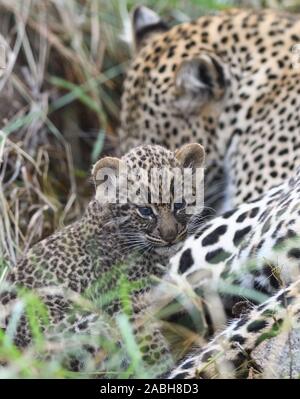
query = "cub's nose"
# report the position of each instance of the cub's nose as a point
(169, 233)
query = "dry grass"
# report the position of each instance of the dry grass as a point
(56, 105)
(60, 101)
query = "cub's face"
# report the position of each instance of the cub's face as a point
(152, 193)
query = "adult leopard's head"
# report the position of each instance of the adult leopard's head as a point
(151, 194)
(175, 88)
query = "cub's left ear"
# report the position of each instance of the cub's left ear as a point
(199, 81)
(191, 155)
(146, 23)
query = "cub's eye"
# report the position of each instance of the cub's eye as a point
(145, 211)
(179, 205)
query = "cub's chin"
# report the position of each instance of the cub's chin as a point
(168, 250)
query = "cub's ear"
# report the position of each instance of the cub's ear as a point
(146, 23)
(107, 175)
(191, 155)
(199, 81)
(106, 167)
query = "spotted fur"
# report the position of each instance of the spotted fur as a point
(231, 353)
(254, 247)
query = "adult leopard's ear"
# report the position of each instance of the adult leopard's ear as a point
(146, 23)
(199, 81)
(105, 174)
(191, 155)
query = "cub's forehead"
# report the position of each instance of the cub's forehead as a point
(150, 156)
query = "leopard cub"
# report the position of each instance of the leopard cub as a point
(132, 236)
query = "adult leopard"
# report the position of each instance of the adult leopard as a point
(229, 81)
(253, 248)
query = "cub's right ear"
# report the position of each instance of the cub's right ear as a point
(146, 23)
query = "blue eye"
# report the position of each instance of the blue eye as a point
(179, 205)
(145, 211)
